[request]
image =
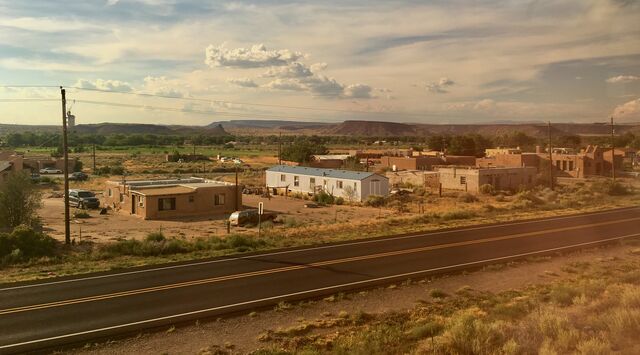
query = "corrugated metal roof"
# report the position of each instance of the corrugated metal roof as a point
(333, 173)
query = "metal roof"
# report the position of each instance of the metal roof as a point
(4, 165)
(333, 173)
(162, 191)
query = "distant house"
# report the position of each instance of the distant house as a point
(470, 179)
(9, 162)
(173, 198)
(351, 185)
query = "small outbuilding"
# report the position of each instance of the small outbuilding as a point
(470, 179)
(350, 185)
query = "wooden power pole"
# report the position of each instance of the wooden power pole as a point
(65, 152)
(551, 182)
(280, 148)
(94, 157)
(613, 152)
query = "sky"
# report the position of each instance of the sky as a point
(439, 61)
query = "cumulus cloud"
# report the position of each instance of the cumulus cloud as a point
(358, 91)
(285, 84)
(485, 105)
(101, 84)
(258, 56)
(293, 70)
(160, 85)
(628, 111)
(441, 86)
(244, 82)
(623, 79)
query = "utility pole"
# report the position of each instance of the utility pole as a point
(551, 182)
(236, 189)
(280, 149)
(65, 150)
(94, 158)
(613, 152)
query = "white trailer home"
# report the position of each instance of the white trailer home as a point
(354, 186)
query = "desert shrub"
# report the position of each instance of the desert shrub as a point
(375, 201)
(19, 201)
(339, 201)
(155, 237)
(467, 198)
(610, 188)
(324, 198)
(563, 294)
(426, 330)
(290, 222)
(457, 214)
(468, 332)
(487, 189)
(436, 293)
(81, 214)
(24, 243)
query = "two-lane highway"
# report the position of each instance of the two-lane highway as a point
(59, 311)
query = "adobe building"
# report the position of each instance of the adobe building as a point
(591, 161)
(470, 179)
(10, 162)
(35, 163)
(424, 162)
(168, 199)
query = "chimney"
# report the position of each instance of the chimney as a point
(538, 149)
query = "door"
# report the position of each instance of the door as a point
(133, 203)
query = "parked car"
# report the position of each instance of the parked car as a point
(78, 176)
(83, 199)
(241, 218)
(50, 171)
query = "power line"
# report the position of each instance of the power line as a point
(173, 109)
(30, 86)
(250, 103)
(29, 100)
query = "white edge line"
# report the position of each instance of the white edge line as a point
(308, 291)
(249, 257)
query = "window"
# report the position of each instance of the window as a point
(571, 166)
(283, 177)
(219, 199)
(355, 186)
(167, 204)
(192, 198)
(296, 181)
(109, 193)
(463, 180)
(339, 184)
(312, 183)
(121, 197)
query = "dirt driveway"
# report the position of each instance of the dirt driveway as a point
(116, 225)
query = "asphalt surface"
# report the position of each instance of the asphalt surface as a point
(55, 312)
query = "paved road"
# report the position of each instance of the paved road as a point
(62, 311)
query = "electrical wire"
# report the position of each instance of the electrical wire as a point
(174, 109)
(250, 103)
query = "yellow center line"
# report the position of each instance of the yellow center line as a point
(298, 267)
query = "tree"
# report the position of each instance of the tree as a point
(19, 201)
(301, 151)
(350, 193)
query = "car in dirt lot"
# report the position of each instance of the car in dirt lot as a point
(241, 218)
(83, 199)
(50, 171)
(78, 176)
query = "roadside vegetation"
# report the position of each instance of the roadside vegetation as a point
(593, 308)
(403, 213)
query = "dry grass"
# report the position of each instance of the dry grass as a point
(586, 314)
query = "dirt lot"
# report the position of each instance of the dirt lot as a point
(116, 225)
(242, 334)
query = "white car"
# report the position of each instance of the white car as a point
(50, 171)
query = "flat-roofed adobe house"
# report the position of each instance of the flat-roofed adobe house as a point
(167, 199)
(350, 185)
